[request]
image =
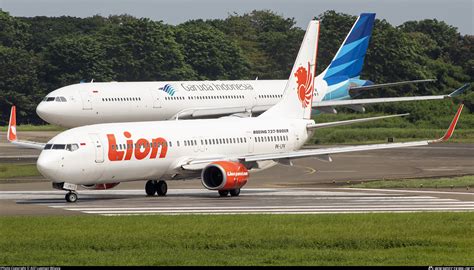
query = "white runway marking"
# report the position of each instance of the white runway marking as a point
(251, 201)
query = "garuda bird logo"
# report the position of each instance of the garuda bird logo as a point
(305, 85)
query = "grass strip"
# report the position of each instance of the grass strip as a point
(329, 239)
(445, 182)
(8, 171)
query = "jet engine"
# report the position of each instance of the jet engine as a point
(224, 175)
(100, 186)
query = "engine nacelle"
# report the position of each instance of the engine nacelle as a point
(100, 186)
(224, 175)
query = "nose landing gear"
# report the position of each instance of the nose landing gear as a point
(153, 187)
(71, 197)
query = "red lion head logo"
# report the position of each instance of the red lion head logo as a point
(305, 85)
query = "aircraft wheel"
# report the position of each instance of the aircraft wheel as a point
(71, 197)
(223, 193)
(161, 188)
(235, 192)
(150, 188)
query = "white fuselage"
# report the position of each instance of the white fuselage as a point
(94, 103)
(98, 159)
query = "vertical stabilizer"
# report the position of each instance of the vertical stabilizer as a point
(12, 125)
(349, 59)
(298, 95)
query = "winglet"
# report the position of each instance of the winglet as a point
(460, 90)
(452, 126)
(12, 125)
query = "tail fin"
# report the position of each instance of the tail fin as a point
(349, 59)
(12, 125)
(298, 97)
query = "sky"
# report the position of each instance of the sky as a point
(458, 13)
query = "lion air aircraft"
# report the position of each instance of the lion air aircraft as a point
(220, 152)
(108, 102)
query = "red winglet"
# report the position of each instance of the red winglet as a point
(451, 128)
(12, 125)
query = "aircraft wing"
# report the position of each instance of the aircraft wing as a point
(12, 137)
(323, 153)
(346, 149)
(350, 122)
(360, 102)
(382, 85)
(207, 112)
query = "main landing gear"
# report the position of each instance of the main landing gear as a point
(153, 187)
(233, 192)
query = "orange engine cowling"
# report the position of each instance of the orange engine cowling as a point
(224, 175)
(100, 186)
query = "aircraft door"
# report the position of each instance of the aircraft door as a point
(156, 98)
(98, 148)
(86, 99)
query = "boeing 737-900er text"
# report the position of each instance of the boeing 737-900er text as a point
(108, 102)
(220, 152)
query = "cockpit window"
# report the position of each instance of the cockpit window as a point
(48, 146)
(58, 99)
(63, 99)
(59, 146)
(72, 147)
(48, 99)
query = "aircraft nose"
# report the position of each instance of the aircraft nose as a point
(44, 112)
(47, 166)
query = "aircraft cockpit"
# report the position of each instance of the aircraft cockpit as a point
(57, 99)
(69, 147)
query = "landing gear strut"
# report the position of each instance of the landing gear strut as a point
(153, 187)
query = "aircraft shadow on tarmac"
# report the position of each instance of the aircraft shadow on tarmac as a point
(157, 199)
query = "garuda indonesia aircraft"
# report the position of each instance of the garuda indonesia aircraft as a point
(107, 102)
(220, 152)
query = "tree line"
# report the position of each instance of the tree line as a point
(41, 54)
